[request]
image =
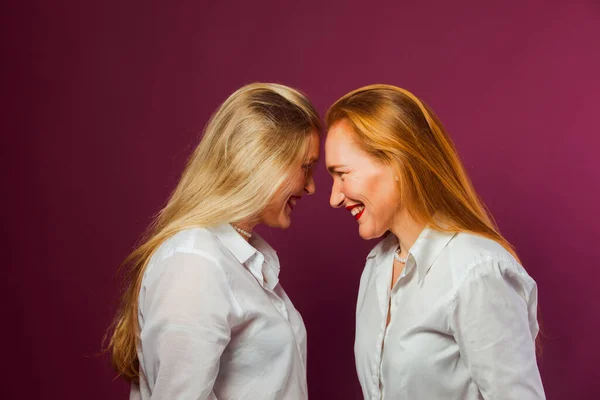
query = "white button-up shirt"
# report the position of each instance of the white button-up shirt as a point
(463, 322)
(215, 322)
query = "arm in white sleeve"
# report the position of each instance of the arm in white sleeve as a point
(494, 325)
(187, 316)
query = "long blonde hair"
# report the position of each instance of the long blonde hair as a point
(248, 148)
(394, 126)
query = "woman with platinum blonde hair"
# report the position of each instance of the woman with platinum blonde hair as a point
(203, 315)
(445, 310)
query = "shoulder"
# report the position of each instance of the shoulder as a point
(472, 257)
(192, 252)
(478, 245)
(198, 241)
(185, 272)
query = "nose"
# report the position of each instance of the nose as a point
(310, 186)
(337, 197)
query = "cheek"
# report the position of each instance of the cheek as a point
(376, 194)
(276, 207)
(270, 212)
(293, 184)
(280, 208)
(300, 181)
(387, 204)
(361, 188)
(354, 187)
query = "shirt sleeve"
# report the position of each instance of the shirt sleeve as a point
(494, 323)
(188, 308)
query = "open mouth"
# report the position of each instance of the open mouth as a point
(356, 210)
(292, 201)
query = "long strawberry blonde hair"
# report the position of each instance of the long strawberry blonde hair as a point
(248, 148)
(397, 128)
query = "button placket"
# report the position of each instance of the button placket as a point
(393, 299)
(280, 306)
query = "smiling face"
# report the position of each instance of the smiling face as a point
(363, 185)
(277, 214)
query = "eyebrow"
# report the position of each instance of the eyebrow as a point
(332, 168)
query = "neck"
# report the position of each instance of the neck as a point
(245, 225)
(407, 230)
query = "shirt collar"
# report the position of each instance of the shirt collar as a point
(425, 251)
(267, 251)
(240, 248)
(256, 254)
(428, 247)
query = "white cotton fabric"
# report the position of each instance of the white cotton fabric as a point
(463, 322)
(216, 323)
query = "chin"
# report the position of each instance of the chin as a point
(368, 234)
(281, 224)
(285, 225)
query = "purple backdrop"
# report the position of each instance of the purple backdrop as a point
(103, 101)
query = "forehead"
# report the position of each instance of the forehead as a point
(313, 149)
(314, 146)
(340, 146)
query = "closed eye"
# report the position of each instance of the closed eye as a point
(340, 174)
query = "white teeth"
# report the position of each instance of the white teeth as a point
(357, 210)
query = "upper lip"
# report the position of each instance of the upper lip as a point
(350, 207)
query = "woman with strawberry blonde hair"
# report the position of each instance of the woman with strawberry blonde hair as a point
(204, 315)
(445, 310)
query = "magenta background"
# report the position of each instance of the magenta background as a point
(103, 102)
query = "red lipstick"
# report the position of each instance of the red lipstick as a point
(351, 207)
